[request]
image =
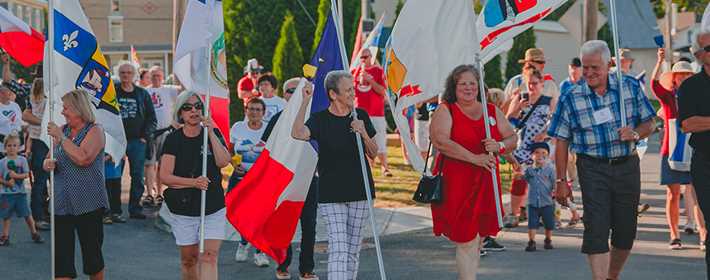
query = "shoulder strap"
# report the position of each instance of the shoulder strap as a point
(522, 122)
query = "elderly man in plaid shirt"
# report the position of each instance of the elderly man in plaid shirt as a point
(588, 121)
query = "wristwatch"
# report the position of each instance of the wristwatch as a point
(636, 135)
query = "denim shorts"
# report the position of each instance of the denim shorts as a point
(670, 176)
(14, 203)
(547, 213)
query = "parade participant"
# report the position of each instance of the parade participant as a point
(587, 121)
(574, 70)
(534, 59)
(370, 93)
(143, 77)
(695, 117)
(181, 171)
(37, 152)
(79, 190)
(246, 137)
(541, 181)
(163, 98)
(342, 198)
(468, 210)
(139, 123)
(267, 89)
(665, 88)
(247, 85)
(14, 169)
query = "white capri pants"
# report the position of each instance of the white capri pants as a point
(380, 125)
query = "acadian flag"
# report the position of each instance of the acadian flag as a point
(372, 41)
(267, 203)
(19, 40)
(77, 63)
(502, 20)
(429, 39)
(202, 27)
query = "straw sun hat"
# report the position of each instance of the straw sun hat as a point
(679, 67)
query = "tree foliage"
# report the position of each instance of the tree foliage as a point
(521, 43)
(696, 6)
(493, 74)
(288, 57)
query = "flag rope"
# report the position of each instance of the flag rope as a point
(343, 55)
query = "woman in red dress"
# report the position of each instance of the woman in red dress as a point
(468, 209)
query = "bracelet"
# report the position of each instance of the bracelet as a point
(561, 180)
(502, 147)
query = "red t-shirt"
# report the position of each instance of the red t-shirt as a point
(669, 105)
(365, 96)
(245, 84)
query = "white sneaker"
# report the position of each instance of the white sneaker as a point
(702, 246)
(242, 253)
(261, 260)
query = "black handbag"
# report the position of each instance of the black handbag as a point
(430, 187)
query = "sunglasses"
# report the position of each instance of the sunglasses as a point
(251, 109)
(290, 90)
(365, 57)
(707, 48)
(189, 106)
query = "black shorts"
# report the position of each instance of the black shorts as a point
(610, 194)
(90, 229)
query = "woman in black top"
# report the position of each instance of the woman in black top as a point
(342, 197)
(181, 171)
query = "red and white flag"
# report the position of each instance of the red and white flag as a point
(134, 57)
(19, 40)
(266, 205)
(500, 21)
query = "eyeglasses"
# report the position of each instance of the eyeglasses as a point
(188, 106)
(365, 57)
(252, 109)
(290, 90)
(466, 84)
(707, 48)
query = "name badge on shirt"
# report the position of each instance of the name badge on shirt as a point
(602, 116)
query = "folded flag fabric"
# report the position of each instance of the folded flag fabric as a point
(19, 40)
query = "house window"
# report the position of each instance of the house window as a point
(115, 6)
(115, 29)
(37, 21)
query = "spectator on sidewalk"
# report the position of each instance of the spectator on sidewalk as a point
(11, 115)
(694, 115)
(113, 171)
(608, 166)
(309, 213)
(267, 90)
(457, 131)
(247, 85)
(246, 137)
(139, 123)
(163, 98)
(574, 70)
(665, 88)
(541, 181)
(143, 77)
(181, 170)
(370, 93)
(80, 193)
(37, 152)
(14, 169)
(342, 198)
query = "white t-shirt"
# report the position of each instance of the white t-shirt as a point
(164, 99)
(247, 142)
(274, 105)
(10, 120)
(37, 111)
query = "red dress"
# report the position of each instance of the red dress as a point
(468, 207)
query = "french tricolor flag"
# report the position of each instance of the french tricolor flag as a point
(19, 40)
(266, 205)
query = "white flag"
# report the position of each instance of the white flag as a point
(77, 63)
(203, 25)
(429, 39)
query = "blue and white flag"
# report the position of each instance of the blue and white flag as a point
(372, 42)
(77, 63)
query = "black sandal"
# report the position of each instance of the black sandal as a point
(4, 240)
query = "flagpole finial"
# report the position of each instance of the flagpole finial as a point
(309, 71)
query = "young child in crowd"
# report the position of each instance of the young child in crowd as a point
(541, 181)
(113, 173)
(13, 198)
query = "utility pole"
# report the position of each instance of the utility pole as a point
(590, 19)
(341, 16)
(363, 9)
(669, 32)
(177, 19)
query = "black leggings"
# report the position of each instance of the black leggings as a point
(90, 229)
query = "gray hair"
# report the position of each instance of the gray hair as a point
(332, 79)
(596, 47)
(285, 85)
(182, 98)
(156, 68)
(695, 46)
(129, 64)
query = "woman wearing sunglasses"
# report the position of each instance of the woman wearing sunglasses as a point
(181, 171)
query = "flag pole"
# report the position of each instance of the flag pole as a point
(487, 125)
(50, 89)
(337, 18)
(205, 139)
(619, 75)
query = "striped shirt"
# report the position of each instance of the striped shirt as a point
(574, 120)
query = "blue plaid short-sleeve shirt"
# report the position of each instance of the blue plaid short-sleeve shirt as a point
(573, 119)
